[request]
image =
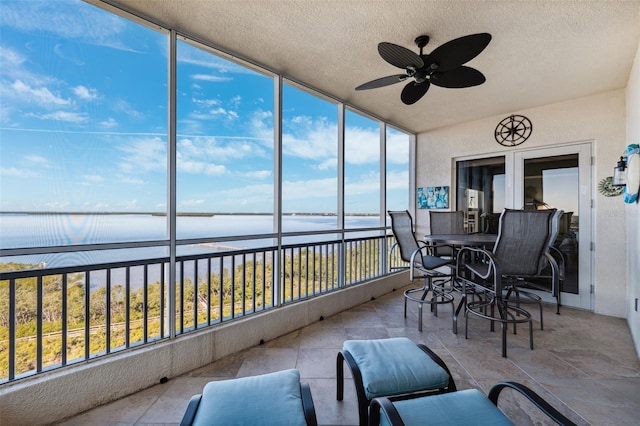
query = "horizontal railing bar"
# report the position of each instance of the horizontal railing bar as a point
(22, 251)
(81, 247)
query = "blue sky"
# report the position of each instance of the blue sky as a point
(83, 125)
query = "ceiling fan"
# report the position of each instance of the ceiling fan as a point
(443, 67)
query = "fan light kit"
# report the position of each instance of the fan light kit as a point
(443, 67)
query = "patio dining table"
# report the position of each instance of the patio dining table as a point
(463, 240)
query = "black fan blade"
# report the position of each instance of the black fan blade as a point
(458, 78)
(413, 91)
(456, 52)
(381, 82)
(399, 56)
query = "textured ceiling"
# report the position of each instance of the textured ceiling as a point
(541, 52)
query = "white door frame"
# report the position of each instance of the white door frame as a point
(584, 298)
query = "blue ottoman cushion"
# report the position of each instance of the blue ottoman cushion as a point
(395, 366)
(268, 399)
(467, 407)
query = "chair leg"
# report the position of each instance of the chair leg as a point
(340, 377)
(504, 339)
(405, 307)
(541, 319)
(466, 323)
(530, 334)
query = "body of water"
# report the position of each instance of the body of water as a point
(45, 230)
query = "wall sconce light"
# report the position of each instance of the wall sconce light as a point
(619, 173)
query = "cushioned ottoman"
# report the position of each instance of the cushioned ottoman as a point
(269, 399)
(467, 407)
(390, 367)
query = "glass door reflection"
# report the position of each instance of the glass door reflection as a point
(481, 193)
(553, 182)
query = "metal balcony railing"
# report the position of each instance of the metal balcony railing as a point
(51, 318)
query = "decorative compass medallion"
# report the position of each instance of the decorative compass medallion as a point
(513, 130)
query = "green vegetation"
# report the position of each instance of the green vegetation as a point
(233, 293)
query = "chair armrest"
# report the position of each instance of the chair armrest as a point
(388, 409)
(492, 261)
(192, 409)
(307, 405)
(536, 399)
(413, 263)
(559, 258)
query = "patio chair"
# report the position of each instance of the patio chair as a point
(422, 264)
(396, 368)
(465, 407)
(551, 258)
(446, 223)
(268, 399)
(522, 240)
(551, 266)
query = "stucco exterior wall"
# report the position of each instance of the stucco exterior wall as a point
(600, 119)
(633, 210)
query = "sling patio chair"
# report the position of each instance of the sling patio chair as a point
(465, 407)
(522, 240)
(551, 266)
(422, 263)
(396, 368)
(268, 399)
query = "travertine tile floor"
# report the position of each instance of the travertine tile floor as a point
(584, 364)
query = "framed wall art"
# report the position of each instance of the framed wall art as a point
(433, 197)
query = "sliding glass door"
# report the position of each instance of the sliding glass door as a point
(557, 177)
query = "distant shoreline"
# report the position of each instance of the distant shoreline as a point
(186, 214)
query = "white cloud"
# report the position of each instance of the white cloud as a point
(194, 56)
(258, 174)
(398, 148)
(144, 155)
(309, 189)
(38, 160)
(40, 95)
(205, 102)
(130, 180)
(126, 108)
(365, 184)
(127, 205)
(302, 119)
(93, 178)
(328, 164)
(319, 143)
(211, 78)
(191, 203)
(109, 123)
(200, 167)
(362, 146)
(398, 180)
(62, 19)
(71, 117)
(10, 57)
(235, 101)
(85, 93)
(212, 149)
(56, 205)
(15, 172)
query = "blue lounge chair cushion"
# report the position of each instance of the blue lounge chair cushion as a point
(466, 407)
(267, 399)
(395, 366)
